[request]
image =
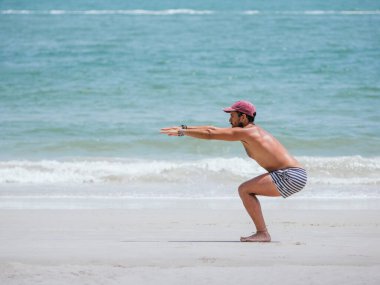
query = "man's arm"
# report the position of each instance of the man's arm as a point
(210, 133)
(187, 127)
(199, 127)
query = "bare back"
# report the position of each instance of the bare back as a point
(266, 149)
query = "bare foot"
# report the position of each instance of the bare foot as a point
(257, 237)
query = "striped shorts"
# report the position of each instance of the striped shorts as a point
(290, 180)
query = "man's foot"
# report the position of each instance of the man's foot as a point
(257, 237)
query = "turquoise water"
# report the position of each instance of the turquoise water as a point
(96, 80)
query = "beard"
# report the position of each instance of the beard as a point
(240, 125)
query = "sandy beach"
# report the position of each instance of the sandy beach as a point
(192, 242)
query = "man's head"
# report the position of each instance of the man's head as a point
(241, 113)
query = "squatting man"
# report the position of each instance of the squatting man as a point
(285, 175)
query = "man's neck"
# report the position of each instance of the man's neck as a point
(249, 125)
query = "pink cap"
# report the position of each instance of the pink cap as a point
(244, 107)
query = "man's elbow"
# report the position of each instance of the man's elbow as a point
(208, 134)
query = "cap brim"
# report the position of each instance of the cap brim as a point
(228, 110)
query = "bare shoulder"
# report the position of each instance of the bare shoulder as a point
(257, 133)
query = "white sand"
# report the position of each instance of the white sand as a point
(192, 242)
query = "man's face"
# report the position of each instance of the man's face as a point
(235, 120)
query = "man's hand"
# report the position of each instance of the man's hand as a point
(171, 128)
(171, 131)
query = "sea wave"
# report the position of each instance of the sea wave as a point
(108, 12)
(183, 12)
(317, 12)
(320, 12)
(350, 170)
(251, 12)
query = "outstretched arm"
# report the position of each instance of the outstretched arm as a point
(209, 133)
(187, 127)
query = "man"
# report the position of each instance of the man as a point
(285, 174)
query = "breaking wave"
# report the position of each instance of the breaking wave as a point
(350, 170)
(108, 12)
(169, 12)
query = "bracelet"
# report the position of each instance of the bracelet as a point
(181, 133)
(183, 127)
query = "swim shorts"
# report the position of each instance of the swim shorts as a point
(290, 180)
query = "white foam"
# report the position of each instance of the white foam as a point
(319, 12)
(112, 171)
(110, 12)
(16, 12)
(251, 12)
(351, 170)
(332, 12)
(142, 12)
(57, 12)
(376, 12)
(169, 12)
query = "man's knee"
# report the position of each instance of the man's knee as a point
(246, 190)
(243, 190)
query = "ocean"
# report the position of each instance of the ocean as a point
(85, 87)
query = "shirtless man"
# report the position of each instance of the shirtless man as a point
(285, 174)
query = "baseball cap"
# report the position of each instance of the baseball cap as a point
(242, 106)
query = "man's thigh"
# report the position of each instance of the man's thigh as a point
(261, 185)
